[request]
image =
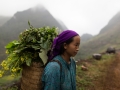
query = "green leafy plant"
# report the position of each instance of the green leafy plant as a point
(32, 46)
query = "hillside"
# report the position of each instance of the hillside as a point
(114, 20)
(101, 75)
(99, 43)
(38, 17)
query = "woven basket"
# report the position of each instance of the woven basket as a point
(31, 77)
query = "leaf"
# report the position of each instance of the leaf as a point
(28, 62)
(16, 42)
(29, 23)
(43, 56)
(47, 45)
(36, 47)
(39, 42)
(11, 44)
(20, 49)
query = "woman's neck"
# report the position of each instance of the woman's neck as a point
(66, 57)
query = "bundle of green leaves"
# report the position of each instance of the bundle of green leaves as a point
(32, 46)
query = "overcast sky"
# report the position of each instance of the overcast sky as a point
(83, 16)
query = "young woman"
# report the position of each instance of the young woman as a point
(62, 75)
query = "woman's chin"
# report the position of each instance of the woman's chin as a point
(74, 55)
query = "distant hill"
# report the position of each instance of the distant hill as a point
(108, 36)
(4, 19)
(115, 20)
(38, 17)
(86, 37)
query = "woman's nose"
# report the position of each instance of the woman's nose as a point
(77, 49)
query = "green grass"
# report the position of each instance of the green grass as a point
(7, 79)
(96, 70)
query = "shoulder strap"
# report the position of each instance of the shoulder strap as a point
(60, 69)
(58, 63)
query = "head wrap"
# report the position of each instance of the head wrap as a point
(58, 41)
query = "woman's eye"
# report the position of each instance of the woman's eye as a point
(76, 45)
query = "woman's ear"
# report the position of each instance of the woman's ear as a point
(65, 46)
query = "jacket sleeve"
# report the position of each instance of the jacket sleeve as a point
(52, 76)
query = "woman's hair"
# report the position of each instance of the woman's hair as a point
(62, 49)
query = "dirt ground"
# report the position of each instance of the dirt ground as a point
(112, 79)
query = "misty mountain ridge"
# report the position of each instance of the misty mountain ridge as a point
(38, 17)
(85, 37)
(112, 23)
(35, 15)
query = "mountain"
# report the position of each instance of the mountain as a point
(86, 37)
(4, 19)
(38, 16)
(108, 37)
(62, 24)
(115, 20)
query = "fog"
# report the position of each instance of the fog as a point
(83, 16)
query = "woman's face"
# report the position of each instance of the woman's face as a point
(72, 48)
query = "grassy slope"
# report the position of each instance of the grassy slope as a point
(101, 75)
(100, 43)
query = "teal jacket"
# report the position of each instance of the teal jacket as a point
(54, 78)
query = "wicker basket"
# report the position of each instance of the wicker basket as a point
(31, 77)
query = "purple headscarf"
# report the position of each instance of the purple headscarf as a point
(58, 41)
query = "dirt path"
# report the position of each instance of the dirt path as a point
(112, 79)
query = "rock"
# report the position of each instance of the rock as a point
(110, 50)
(84, 68)
(97, 56)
